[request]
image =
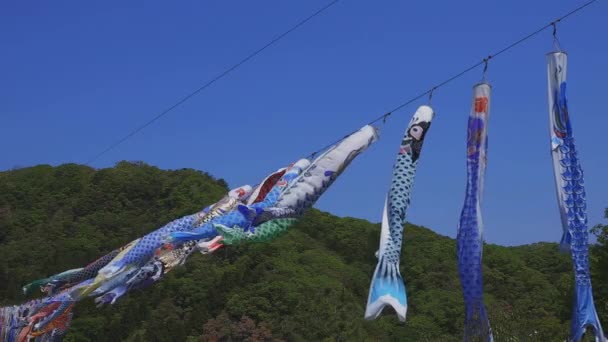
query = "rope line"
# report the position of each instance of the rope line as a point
(484, 62)
(212, 81)
(382, 117)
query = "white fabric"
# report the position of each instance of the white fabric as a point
(556, 74)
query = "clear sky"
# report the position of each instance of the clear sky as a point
(77, 76)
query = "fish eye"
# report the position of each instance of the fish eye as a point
(416, 132)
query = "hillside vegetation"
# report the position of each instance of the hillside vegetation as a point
(309, 285)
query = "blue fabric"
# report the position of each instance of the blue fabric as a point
(241, 218)
(469, 240)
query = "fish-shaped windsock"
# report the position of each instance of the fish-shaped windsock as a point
(144, 249)
(469, 241)
(306, 189)
(177, 255)
(43, 319)
(54, 328)
(43, 284)
(55, 307)
(168, 256)
(14, 319)
(54, 283)
(138, 267)
(141, 250)
(244, 217)
(53, 331)
(571, 198)
(303, 191)
(387, 287)
(103, 277)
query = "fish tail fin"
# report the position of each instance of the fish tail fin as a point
(111, 297)
(387, 288)
(564, 243)
(477, 324)
(585, 315)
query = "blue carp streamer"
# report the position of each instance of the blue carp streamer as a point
(387, 287)
(571, 198)
(469, 241)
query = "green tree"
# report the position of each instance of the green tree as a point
(310, 284)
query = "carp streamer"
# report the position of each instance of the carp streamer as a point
(469, 240)
(387, 286)
(570, 198)
(245, 215)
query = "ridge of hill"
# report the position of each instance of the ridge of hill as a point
(310, 284)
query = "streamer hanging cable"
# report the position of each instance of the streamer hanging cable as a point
(556, 44)
(484, 62)
(485, 68)
(431, 95)
(213, 80)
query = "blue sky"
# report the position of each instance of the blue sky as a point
(77, 76)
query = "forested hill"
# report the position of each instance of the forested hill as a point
(309, 285)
